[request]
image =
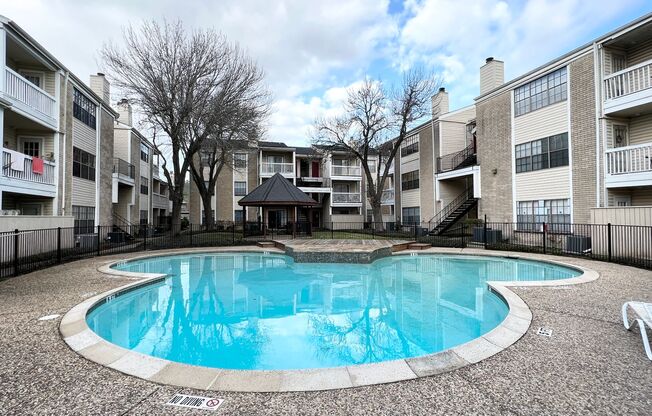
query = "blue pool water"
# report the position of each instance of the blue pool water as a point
(255, 311)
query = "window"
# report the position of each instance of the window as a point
(549, 152)
(239, 188)
(144, 152)
(410, 145)
(83, 109)
(410, 180)
(83, 164)
(547, 90)
(372, 166)
(554, 212)
(240, 160)
(31, 146)
(143, 217)
(411, 215)
(34, 77)
(237, 216)
(144, 185)
(84, 219)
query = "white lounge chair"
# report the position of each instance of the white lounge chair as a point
(643, 313)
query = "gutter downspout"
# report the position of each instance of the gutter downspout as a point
(598, 111)
(65, 140)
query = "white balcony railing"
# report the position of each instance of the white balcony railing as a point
(341, 170)
(27, 174)
(346, 198)
(276, 167)
(628, 81)
(161, 201)
(387, 197)
(30, 95)
(629, 159)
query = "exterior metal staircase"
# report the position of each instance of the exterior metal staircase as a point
(458, 160)
(121, 225)
(452, 212)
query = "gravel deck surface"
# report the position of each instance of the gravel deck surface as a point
(590, 365)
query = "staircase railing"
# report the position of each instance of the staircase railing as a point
(453, 161)
(450, 208)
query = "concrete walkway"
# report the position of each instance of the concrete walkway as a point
(590, 365)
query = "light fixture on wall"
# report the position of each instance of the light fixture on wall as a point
(494, 171)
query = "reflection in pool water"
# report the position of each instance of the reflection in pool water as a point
(254, 311)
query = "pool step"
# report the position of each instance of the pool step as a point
(266, 244)
(419, 246)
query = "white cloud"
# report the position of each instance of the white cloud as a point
(301, 45)
(455, 37)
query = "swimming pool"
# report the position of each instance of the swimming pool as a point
(254, 311)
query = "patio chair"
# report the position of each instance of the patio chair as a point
(643, 312)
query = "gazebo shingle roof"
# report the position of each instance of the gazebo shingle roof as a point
(277, 191)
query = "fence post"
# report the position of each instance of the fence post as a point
(59, 245)
(98, 239)
(609, 241)
(332, 232)
(233, 233)
(544, 237)
(415, 232)
(16, 247)
(373, 231)
(190, 227)
(145, 238)
(484, 231)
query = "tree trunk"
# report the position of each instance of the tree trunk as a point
(378, 215)
(209, 218)
(176, 214)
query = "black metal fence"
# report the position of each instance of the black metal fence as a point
(29, 250)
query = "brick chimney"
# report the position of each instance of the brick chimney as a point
(125, 111)
(101, 86)
(492, 75)
(439, 103)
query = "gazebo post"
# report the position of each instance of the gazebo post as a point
(244, 222)
(262, 209)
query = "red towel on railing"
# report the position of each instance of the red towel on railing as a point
(37, 165)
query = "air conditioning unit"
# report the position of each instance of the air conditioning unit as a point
(86, 241)
(9, 212)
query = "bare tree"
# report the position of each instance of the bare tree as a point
(374, 124)
(169, 74)
(233, 120)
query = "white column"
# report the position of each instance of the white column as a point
(3, 57)
(98, 163)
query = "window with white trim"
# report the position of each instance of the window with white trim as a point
(239, 188)
(240, 160)
(556, 213)
(84, 219)
(546, 153)
(544, 91)
(411, 215)
(83, 109)
(410, 145)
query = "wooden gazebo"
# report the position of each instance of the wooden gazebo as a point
(279, 200)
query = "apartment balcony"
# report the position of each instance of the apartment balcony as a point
(272, 168)
(160, 201)
(387, 197)
(314, 184)
(345, 171)
(629, 166)
(29, 99)
(26, 180)
(346, 199)
(458, 160)
(124, 171)
(628, 91)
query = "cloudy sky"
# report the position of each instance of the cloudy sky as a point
(312, 51)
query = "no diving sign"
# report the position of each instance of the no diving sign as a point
(195, 402)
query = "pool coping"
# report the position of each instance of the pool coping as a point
(81, 339)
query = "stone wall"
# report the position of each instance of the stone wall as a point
(494, 146)
(105, 166)
(582, 137)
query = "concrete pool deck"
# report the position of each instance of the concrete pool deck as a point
(589, 365)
